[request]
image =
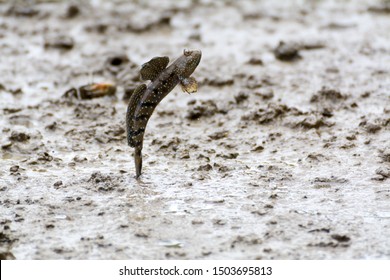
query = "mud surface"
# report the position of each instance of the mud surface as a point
(282, 154)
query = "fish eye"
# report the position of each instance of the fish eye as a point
(186, 52)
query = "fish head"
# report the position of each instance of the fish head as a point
(187, 63)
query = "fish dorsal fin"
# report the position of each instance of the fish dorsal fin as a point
(131, 108)
(151, 69)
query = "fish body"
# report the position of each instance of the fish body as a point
(146, 98)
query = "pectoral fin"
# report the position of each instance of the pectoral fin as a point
(133, 102)
(189, 85)
(151, 69)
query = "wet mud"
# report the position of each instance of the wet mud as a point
(282, 154)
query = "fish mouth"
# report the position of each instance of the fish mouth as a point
(197, 55)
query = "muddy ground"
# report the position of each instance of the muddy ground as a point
(283, 153)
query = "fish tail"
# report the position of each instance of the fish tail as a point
(138, 161)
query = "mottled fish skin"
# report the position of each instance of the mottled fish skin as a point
(142, 105)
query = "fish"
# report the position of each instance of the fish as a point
(145, 98)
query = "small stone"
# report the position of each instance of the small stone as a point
(57, 184)
(255, 61)
(372, 128)
(14, 168)
(60, 42)
(15, 91)
(219, 222)
(185, 155)
(378, 178)
(206, 167)
(19, 136)
(219, 135)
(258, 149)
(72, 11)
(51, 126)
(79, 159)
(6, 145)
(197, 222)
(141, 235)
(383, 171)
(228, 156)
(286, 51)
(240, 97)
(329, 94)
(340, 238)
(265, 94)
(385, 154)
